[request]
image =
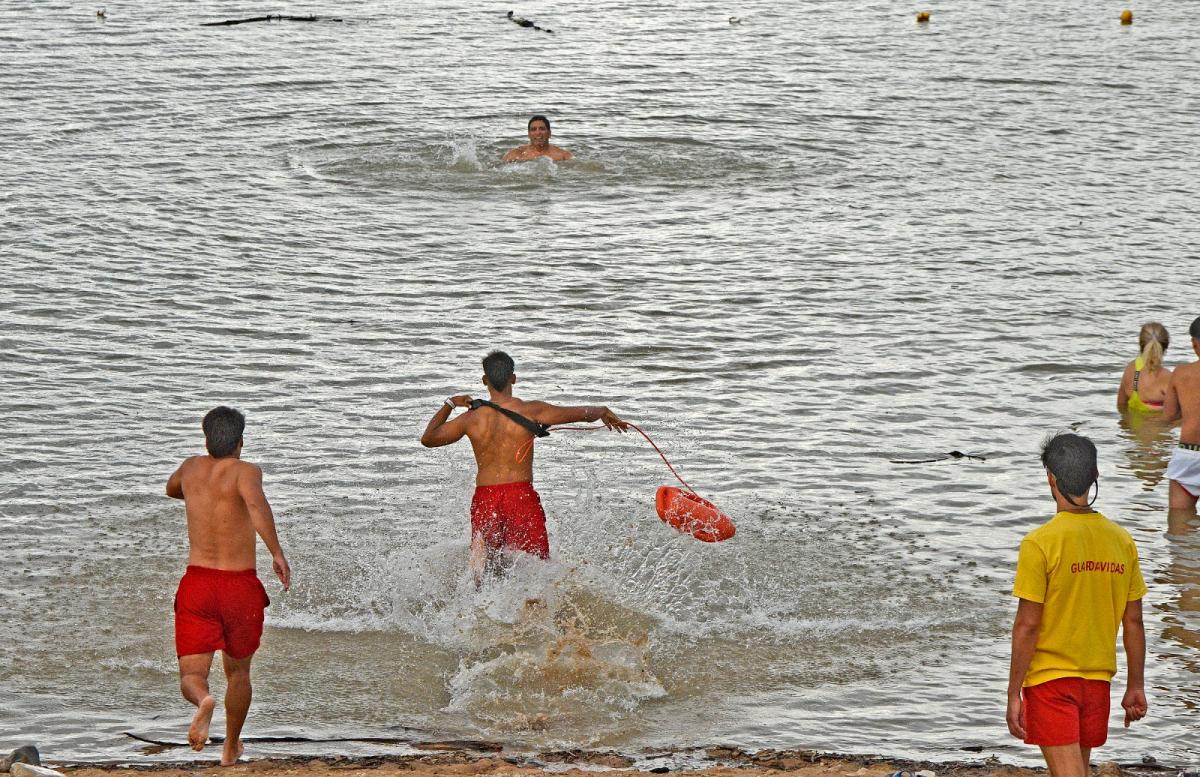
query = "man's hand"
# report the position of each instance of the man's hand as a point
(461, 400)
(280, 565)
(609, 419)
(1135, 705)
(1016, 716)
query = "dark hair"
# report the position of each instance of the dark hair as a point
(498, 367)
(1194, 329)
(1071, 458)
(538, 118)
(223, 427)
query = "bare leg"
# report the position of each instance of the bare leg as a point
(1067, 760)
(1179, 520)
(193, 683)
(237, 705)
(1180, 498)
(477, 560)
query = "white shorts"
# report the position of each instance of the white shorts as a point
(1184, 469)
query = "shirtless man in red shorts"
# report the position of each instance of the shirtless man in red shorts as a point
(506, 511)
(220, 601)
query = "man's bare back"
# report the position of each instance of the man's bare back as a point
(220, 496)
(498, 442)
(1183, 402)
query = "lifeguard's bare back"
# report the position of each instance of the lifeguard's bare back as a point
(506, 511)
(220, 600)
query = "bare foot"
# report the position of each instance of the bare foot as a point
(228, 757)
(198, 732)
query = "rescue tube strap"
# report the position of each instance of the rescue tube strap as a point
(533, 427)
(633, 426)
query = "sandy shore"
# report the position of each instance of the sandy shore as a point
(725, 762)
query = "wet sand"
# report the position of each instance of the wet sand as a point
(725, 762)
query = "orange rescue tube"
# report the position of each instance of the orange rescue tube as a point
(693, 515)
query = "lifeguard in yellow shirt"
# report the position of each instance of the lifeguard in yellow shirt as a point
(1079, 583)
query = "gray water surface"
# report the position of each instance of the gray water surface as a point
(794, 250)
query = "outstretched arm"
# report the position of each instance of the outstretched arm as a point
(251, 490)
(1024, 643)
(438, 431)
(1134, 638)
(555, 414)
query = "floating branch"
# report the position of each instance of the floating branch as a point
(274, 18)
(522, 22)
(943, 457)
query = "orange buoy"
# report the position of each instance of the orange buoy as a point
(693, 515)
(922, 17)
(1127, 16)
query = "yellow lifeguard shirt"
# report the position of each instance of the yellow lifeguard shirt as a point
(1084, 569)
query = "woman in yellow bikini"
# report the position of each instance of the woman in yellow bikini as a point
(1144, 384)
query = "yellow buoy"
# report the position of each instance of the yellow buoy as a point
(1127, 16)
(922, 17)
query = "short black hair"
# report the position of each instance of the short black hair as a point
(1194, 329)
(498, 367)
(223, 427)
(1071, 458)
(538, 118)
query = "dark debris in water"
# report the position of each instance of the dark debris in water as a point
(943, 457)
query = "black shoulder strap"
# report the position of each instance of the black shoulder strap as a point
(531, 426)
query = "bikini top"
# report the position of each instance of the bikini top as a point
(1136, 403)
(535, 428)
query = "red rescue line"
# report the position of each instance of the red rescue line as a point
(686, 511)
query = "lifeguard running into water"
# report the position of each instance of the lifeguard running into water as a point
(220, 601)
(1145, 381)
(506, 511)
(1183, 402)
(538, 145)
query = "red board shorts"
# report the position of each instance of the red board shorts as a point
(510, 515)
(1066, 711)
(221, 610)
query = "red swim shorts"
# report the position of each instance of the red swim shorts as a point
(221, 610)
(510, 516)
(1066, 711)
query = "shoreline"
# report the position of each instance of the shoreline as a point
(453, 760)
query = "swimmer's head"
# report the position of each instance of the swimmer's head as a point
(1194, 329)
(1071, 459)
(1153, 340)
(223, 427)
(498, 370)
(539, 131)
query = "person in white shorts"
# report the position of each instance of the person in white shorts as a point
(1183, 402)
